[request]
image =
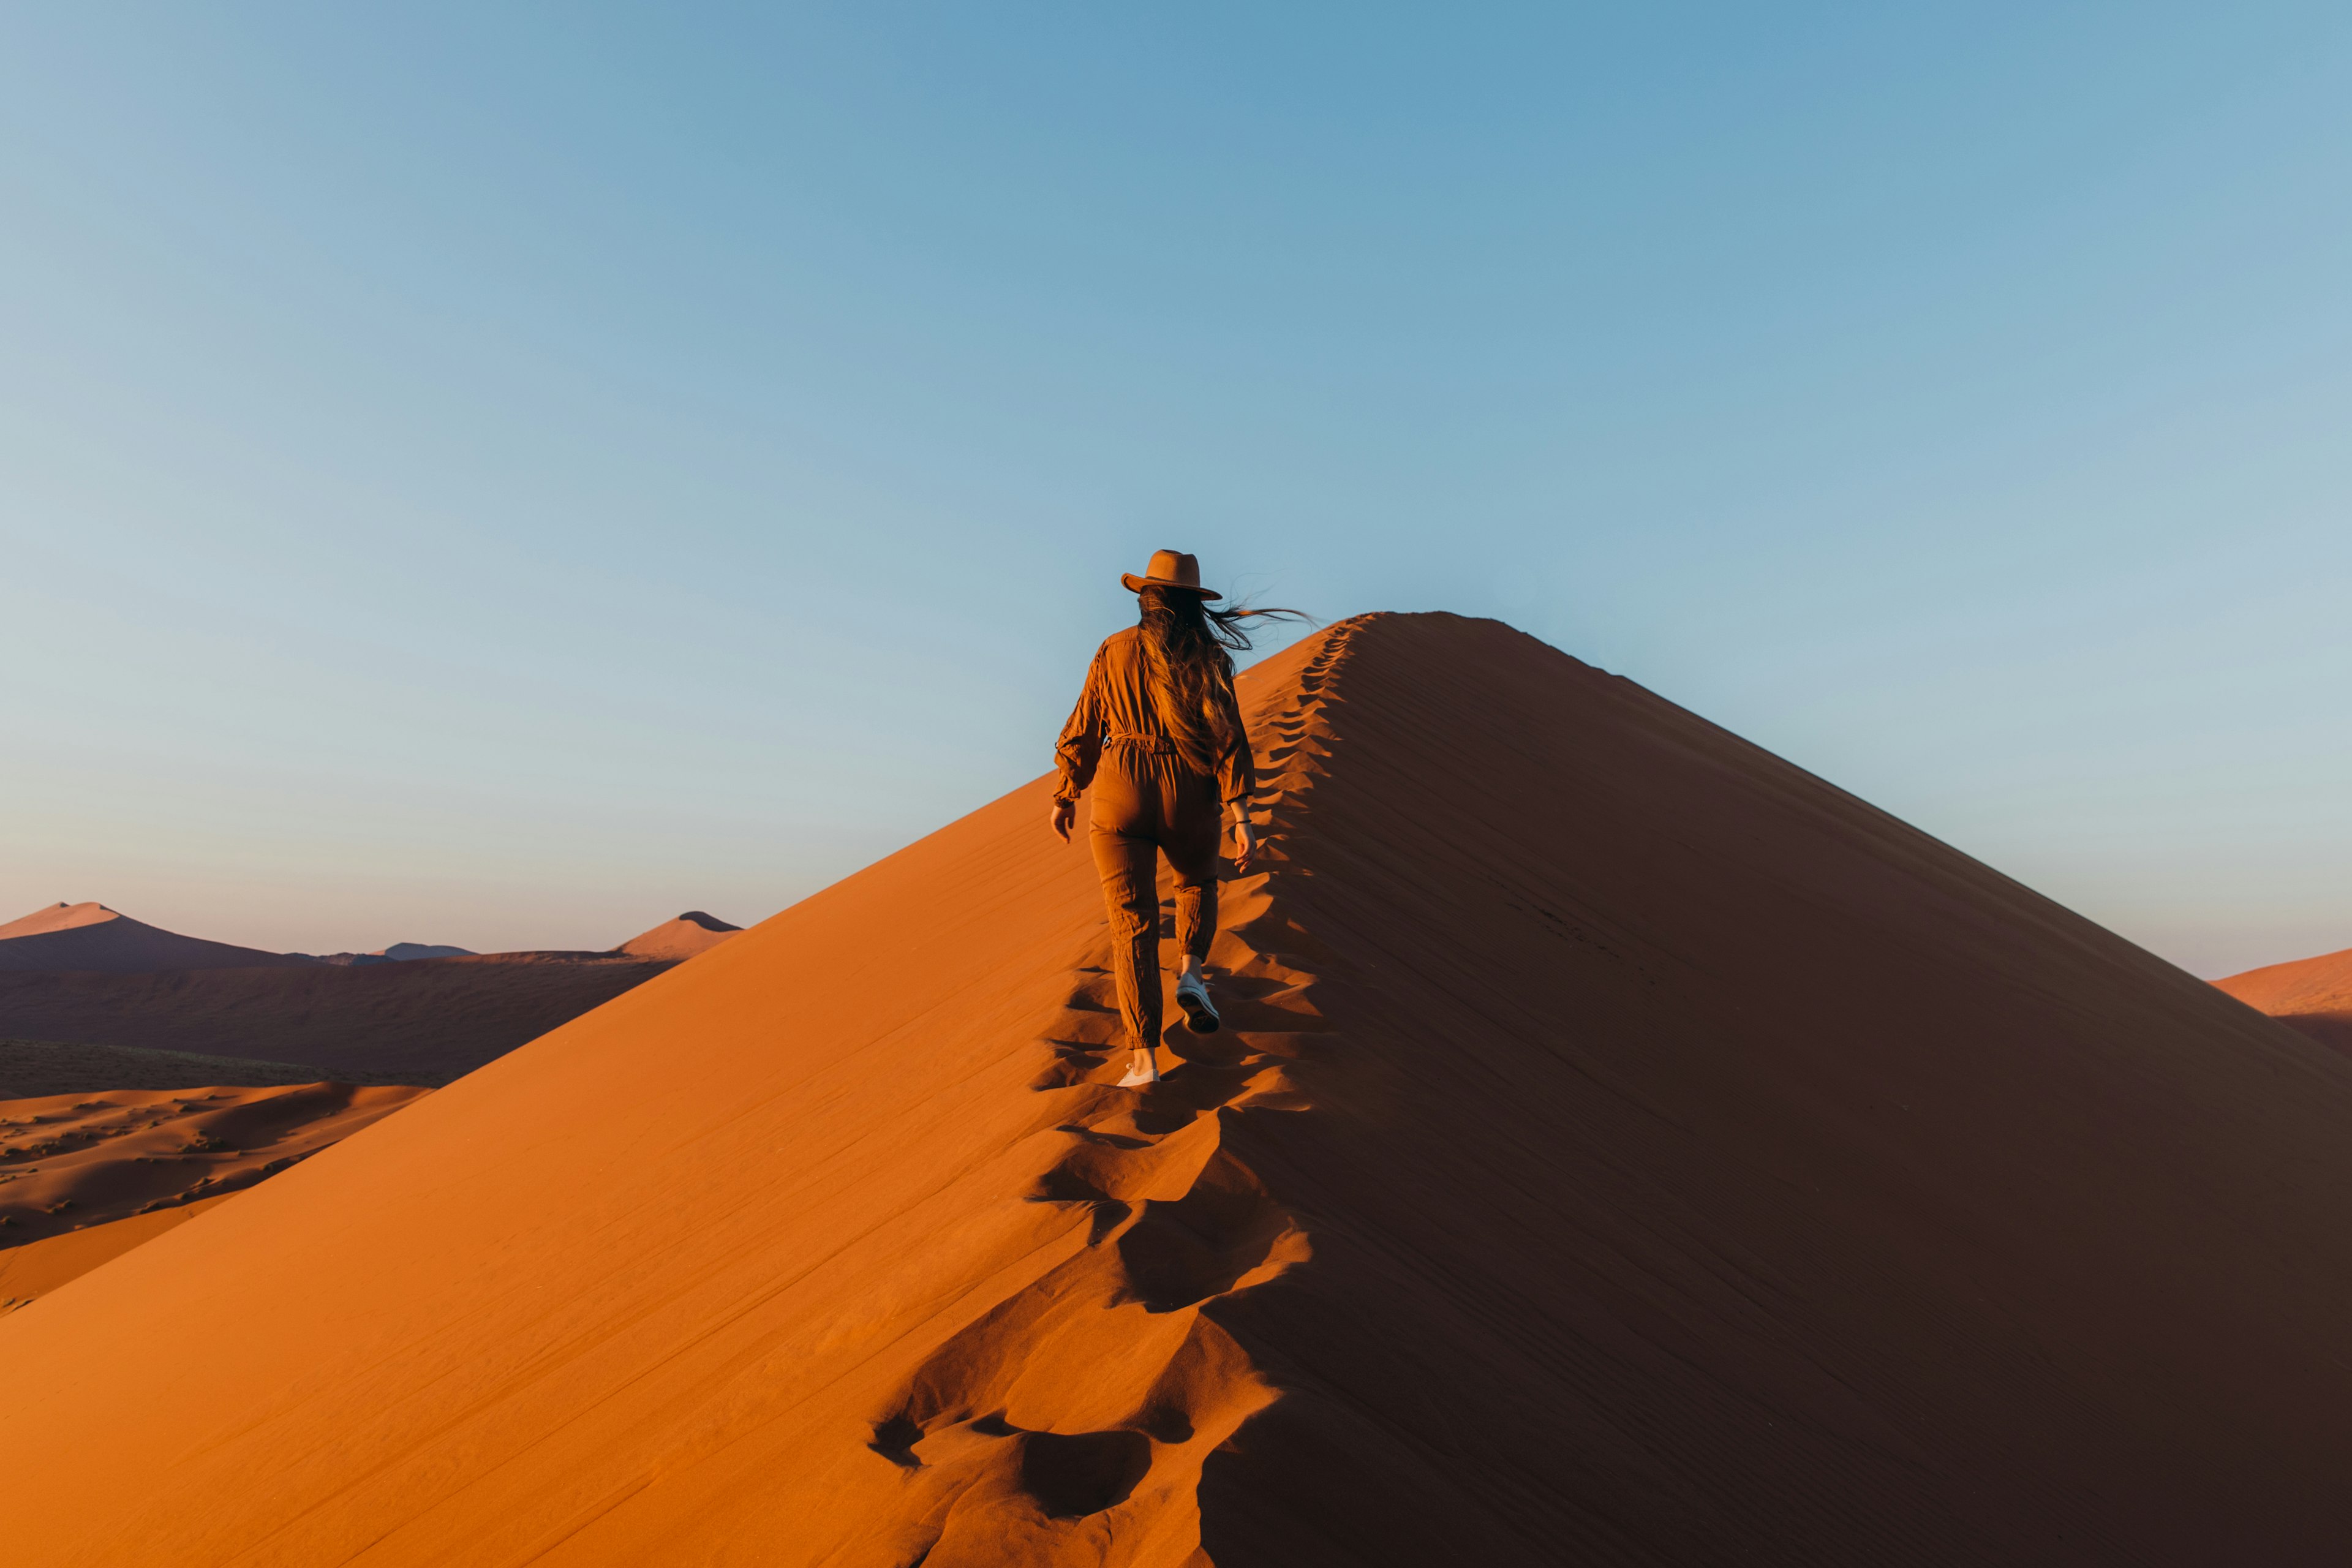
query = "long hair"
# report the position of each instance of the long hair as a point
(1188, 657)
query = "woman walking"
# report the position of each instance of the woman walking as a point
(1158, 733)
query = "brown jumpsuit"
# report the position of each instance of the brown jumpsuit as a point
(1148, 801)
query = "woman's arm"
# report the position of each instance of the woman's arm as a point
(1237, 775)
(1077, 752)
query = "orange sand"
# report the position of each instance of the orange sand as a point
(68, 1161)
(31, 1271)
(93, 937)
(1626, 1149)
(2312, 995)
(682, 938)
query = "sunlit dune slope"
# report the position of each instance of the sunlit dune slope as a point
(2312, 995)
(31, 1271)
(426, 1021)
(1624, 1149)
(91, 937)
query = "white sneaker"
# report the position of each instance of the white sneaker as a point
(1192, 995)
(1147, 1070)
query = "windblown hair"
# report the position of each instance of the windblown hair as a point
(1188, 656)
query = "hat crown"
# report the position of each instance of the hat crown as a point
(1169, 569)
(1173, 566)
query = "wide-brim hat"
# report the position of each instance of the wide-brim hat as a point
(1169, 569)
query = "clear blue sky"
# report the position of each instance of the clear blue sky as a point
(502, 475)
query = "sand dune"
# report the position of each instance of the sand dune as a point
(32, 1069)
(31, 1271)
(425, 1021)
(68, 1163)
(50, 919)
(91, 937)
(86, 1178)
(2312, 995)
(680, 939)
(1625, 1148)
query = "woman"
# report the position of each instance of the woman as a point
(1158, 733)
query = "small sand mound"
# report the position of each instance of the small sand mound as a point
(682, 938)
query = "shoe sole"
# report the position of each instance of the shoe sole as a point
(1199, 1017)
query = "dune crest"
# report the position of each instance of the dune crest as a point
(1624, 1147)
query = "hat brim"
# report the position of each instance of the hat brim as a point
(1136, 585)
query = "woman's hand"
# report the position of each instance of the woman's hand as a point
(1065, 812)
(1245, 836)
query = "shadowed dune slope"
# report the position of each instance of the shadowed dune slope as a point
(1624, 1149)
(92, 936)
(2311, 995)
(32, 1069)
(426, 1021)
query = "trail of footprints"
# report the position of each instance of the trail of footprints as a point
(1068, 1424)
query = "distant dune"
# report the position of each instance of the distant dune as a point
(398, 953)
(72, 1162)
(1624, 1148)
(86, 1178)
(422, 1022)
(2312, 995)
(680, 939)
(31, 1068)
(95, 938)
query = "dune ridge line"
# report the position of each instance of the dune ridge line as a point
(1176, 1222)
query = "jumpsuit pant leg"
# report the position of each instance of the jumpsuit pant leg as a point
(1190, 842)
(1144, 807)
(1129, 866)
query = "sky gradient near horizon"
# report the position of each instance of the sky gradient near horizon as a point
(502, 476)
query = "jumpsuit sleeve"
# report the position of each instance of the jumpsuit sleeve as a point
(1081, 747)
(1236, 770)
